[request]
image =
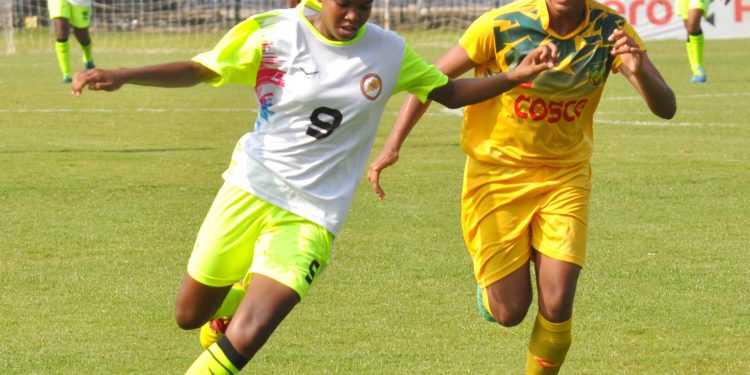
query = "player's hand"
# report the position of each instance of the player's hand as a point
(96, 79)
(540, 59)
(383, 161)
(629, 51)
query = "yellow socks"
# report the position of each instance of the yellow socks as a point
(548, 346)
(695, 52)
(63, 58)
(221, 358)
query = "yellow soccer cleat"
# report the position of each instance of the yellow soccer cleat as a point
(212, 331)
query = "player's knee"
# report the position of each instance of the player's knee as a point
(249, 335)
(187, 318)
(557, 310)
(510, 314)
(510, 319)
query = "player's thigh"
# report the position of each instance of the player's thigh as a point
(498, 204)
(498, 243)
(265, 305)
(560, 227)
(80, 16)
(224, 246)
(510, 297)
(292, 250)
(556, 285)
(693, 22)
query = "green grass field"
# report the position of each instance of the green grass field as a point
(102, 196)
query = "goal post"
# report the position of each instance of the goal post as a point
(7, 29)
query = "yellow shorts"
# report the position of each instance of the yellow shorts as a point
(79, 17)
(243, 233)
(507, 211)
(681, 7)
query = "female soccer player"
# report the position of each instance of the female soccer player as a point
(322, 78)
(691, 12)
(66, 14)
(527, 177)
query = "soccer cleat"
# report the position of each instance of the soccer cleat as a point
(67, 79)
(212, 331)
(89, 64)
(482, 309)
(699, 76)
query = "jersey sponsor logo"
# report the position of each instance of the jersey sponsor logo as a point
(371, 86)
(538, 109)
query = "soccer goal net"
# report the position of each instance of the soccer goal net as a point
(195, 25)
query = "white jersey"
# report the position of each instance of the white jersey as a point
(319, 105)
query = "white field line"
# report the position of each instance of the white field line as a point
(691, 96)
(443, 111)
(599, 120)
(456, 112)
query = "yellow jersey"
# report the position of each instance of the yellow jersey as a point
(549, 120)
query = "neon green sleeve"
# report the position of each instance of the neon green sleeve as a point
(417, 76)
(237, 55)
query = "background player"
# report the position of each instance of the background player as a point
(64, 15)
(692, 12)
(527, 177)
(322, 79)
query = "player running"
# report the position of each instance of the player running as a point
(66, 14)
(322, 76)
(692, 12)
(526, 183)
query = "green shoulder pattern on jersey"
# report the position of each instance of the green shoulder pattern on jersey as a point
(585, 54)
(417, 76)
(238, 54)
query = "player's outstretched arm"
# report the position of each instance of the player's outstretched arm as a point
(457, 93)
(460, 92)
(454, 63)
(175, 74)
(643, 75)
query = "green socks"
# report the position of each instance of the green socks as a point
(695, 52)
(221, 358)
(88, 58)
(62, 49)
(63, 58)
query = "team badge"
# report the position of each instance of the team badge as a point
(371, 86)
(595, 73)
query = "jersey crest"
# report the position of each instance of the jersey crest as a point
(371, 86)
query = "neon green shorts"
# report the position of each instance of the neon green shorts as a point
(683, 6)
(79, 17)
(245, 234)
